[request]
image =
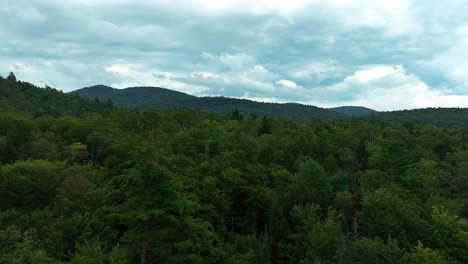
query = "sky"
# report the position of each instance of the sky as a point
(386, 55)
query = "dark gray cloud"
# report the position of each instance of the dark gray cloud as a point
(405, 53)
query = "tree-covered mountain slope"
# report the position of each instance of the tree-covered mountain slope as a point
(154, 98)
(355, 111)
(19, 96)
(448, 117)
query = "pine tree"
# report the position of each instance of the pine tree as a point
(11, 77)
(159, 216)
(236, 116)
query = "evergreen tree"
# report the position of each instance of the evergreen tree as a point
(11, 77)
(159, 218)
(236, 116)
(265, 126)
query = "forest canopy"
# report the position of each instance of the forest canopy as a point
(82, 181)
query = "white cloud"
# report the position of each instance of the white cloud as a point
(131, 75)
(249, 96)
(122, 69)
(387, 87)
(243, 72)
(376, 73)
(316, 71)
(237, 61)
(287, 84)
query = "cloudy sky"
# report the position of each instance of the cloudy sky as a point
(384, 54)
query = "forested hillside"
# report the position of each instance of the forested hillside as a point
(355, 111)
(84, 182)
(155, 98)
(448, 117)
(26, 98)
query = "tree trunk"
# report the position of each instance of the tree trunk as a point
(144, 252)
(355, 228)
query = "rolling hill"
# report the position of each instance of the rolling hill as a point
(356, 111)
(447, 117)
(154, 98)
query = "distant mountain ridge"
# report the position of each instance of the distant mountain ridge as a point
(155, 98)
(440, 116)
(357, 111)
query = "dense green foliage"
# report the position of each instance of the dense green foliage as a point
(93, 184)
(27, 98)
(355, 111)
(448, 117)
(153, 98)
(145, 98)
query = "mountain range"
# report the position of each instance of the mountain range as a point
(155, 98)
(23, 96)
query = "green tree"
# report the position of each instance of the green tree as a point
(70, 194)
(11, 77)
(22, 248)
(313, 238)
(310, 184)
(159, 217)
(422, 255)
(7, 150)
(366, 250)
(236, 116)
(265, 126)
(450, 234)
(29, 184)
(387, 213)
(119, 255)
(89, 253)
(78, 153)
(392, 158)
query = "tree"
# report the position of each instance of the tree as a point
(387, 213)
(236, 116)
(265, 126)
(314, 238)
(78, 153)
(11, 77)
(310, 184)
(22, 247)
(29, 184)
(422, 255)
(119, 255)
(39, 149)
(7, 150)
(392, 158)
(366, 250)
(69, 194)
(158, 216)
(109, 103)
(450, 234)
(88, 253)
